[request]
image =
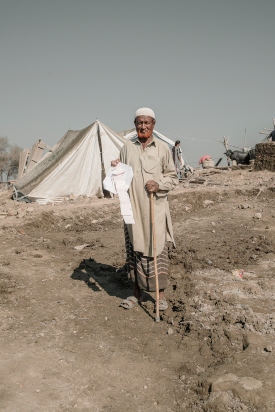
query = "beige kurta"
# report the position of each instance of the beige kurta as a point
(153, 163)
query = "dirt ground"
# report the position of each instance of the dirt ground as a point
(66, 345)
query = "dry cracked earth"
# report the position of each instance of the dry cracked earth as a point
(66, 345)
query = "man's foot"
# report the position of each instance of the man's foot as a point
(163, 305)
(129, 302)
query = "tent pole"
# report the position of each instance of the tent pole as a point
(103, 173)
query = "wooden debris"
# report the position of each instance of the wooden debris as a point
(260, 190)
(22, 162)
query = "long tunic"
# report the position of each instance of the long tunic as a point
(177, 158)
(152, 163)
(141, 269)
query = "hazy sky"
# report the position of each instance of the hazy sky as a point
(206, 67)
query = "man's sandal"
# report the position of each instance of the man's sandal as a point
(163, 305)
(129, 303)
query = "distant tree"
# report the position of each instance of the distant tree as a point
(9, 159)
(13, 161)
(4, 146)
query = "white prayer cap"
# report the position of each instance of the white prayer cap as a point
(145, 111)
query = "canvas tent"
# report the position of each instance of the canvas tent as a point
(132, 134)
(76, 166)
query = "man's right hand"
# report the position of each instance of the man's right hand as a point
(114, 163)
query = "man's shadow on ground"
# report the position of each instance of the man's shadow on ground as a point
(99, 276)
(114, 281)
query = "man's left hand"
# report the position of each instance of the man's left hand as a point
(152, 186)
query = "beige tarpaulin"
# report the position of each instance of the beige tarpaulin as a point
(76, 166)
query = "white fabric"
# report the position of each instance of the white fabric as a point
(109, 183)
(121, 184)
(182, 163)
(145, 111)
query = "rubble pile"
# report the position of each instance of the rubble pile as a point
(265, 156)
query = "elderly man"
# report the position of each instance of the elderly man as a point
(154, 171)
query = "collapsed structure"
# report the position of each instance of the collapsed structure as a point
(265, 151)
(76, 165)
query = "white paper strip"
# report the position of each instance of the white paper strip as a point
(118, 181)
(108, 182)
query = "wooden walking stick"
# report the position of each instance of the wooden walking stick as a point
(157, 318)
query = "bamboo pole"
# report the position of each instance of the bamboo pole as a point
(226, 147)
(244, 139)
(231, 145)
(157, 318)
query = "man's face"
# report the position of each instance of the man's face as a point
(144, 126)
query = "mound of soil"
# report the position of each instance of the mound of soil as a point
(67, 345)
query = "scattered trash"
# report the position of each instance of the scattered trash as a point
(238, 273)
(206, 162)
(80, 247)
(204, 159)
(209, 262)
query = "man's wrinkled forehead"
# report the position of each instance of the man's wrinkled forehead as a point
(144, 119)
